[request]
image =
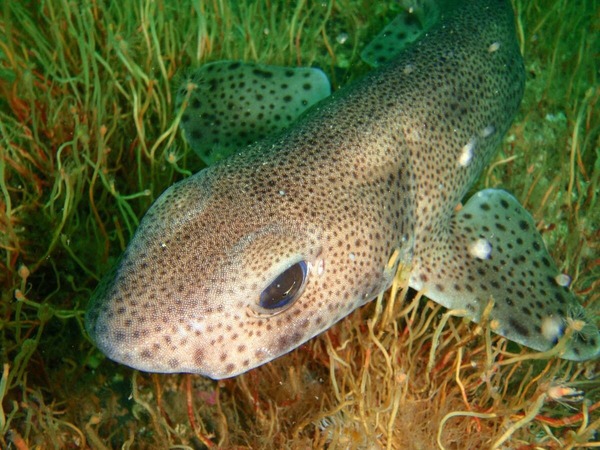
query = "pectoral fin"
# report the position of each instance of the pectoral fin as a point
(494, 252)
(231, 104)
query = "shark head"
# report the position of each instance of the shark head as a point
(226, 271)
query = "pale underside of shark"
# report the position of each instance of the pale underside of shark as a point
(266, 248)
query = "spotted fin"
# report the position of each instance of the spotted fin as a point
(406, 28)
(494, 251)
(232, 104)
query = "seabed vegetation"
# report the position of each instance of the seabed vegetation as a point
(90, 137)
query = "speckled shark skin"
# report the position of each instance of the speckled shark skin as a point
(376, 170)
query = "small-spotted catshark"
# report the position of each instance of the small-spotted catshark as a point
(249, 258)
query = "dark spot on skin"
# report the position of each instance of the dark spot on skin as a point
(546, 261)
(119, 336)
(286, 342)
(411, 20)
(523, 225)
(518, 327)
(263, 73)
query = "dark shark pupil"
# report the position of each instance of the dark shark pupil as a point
(284, 289)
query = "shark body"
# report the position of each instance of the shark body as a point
(251, 257)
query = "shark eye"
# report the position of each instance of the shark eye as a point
(285, 288)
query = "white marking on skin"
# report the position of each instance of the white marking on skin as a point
(352, 256)
(494, 47)
(467, 153)
(282, 193)
(409, 68)
(182, 332)
(197, 325)
(562, 279)
(320, 267)
(488, 131)
(552, 328)
(481, 249)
